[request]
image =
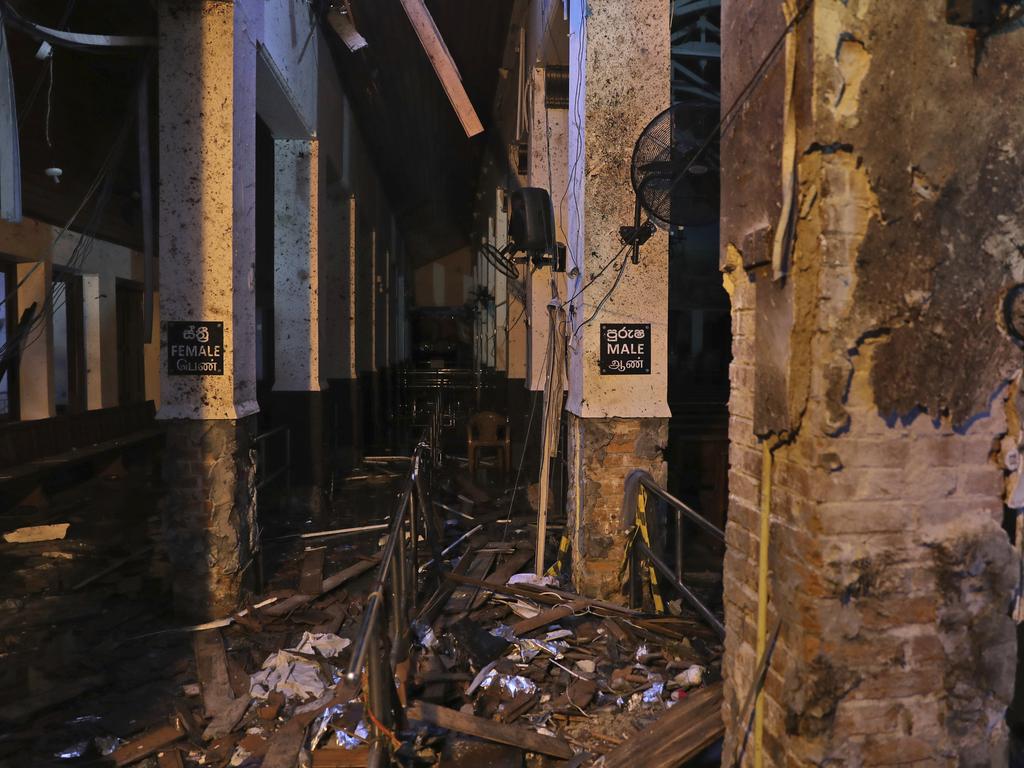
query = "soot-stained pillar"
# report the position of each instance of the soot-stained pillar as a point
(618, 416)
(298, 388)
(207, 70)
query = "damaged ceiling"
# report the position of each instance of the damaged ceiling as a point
(428, 165)
(92, 100)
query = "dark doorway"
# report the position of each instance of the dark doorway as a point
(8, 345)
(131, 367)
(264, 269)
(68, 342)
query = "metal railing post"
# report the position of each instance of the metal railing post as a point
(679, 543)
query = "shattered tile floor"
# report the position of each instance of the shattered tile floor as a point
(506, 669)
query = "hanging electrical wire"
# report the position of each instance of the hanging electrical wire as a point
(723, 124)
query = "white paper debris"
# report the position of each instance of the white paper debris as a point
(533, 579)
(295, 676)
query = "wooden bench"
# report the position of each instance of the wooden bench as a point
(33, 451)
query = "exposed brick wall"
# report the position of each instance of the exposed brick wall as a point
(890, 570)
(209, 513)
(601, 453)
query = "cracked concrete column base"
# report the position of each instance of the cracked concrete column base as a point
(208, 513)
(601, 452)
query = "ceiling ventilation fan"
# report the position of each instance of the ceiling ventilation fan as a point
(675, 171)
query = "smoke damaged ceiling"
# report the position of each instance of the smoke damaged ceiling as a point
(429, 167)
(75, 123)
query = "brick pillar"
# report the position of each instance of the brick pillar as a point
(618, 80)
(207, 70)
(877, 361)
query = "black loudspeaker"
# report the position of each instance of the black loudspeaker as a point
(531, 222)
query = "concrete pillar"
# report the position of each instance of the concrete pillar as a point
(92, 308)
(36, 384)
(549, 169)
(207, 70)
(299, 389)
(619, 55)
(875, 361)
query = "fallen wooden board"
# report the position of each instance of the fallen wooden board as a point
(311, 580)
(341, 758)
(34, 533)
(551, 615)
(463, 597)
(212, 670)
(170, 758)
(148, 744)
(284, 607)
(504, 572)
(489, 729)
(690, 726)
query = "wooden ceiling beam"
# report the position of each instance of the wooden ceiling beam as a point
(443, 63)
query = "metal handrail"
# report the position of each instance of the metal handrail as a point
(391, 602)
(639, 551)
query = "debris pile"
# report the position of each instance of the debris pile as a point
(494, 665)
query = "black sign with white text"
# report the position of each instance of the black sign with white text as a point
(195, 348)
(625, 348)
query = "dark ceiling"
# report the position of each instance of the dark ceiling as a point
(429, 168)
(93, 101)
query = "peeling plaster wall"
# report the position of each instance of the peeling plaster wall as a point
(890, 570)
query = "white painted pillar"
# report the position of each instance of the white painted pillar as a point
(35, 374)
(207, 135)
(296, 266)
(624, 47)
(92, 322)
(619, 55)
(207, 123)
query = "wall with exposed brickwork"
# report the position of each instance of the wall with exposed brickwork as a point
(601, 452)
(881, 365)
(209, 513)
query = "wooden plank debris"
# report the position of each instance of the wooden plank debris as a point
(692, 725)
(148, 744)
(34, 533)
(341, 758)
(542, 619)
(284, 607)
(212, 670)
(311, 580)
(170, 758)
(502, 733)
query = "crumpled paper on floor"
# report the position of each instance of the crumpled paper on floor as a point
(293, 675)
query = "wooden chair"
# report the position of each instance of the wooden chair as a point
(489, 430)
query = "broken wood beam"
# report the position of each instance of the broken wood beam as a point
(692, 725)
(284, 607)
(502, 733)
(146, 745)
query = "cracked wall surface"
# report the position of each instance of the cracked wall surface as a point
(883, 356)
